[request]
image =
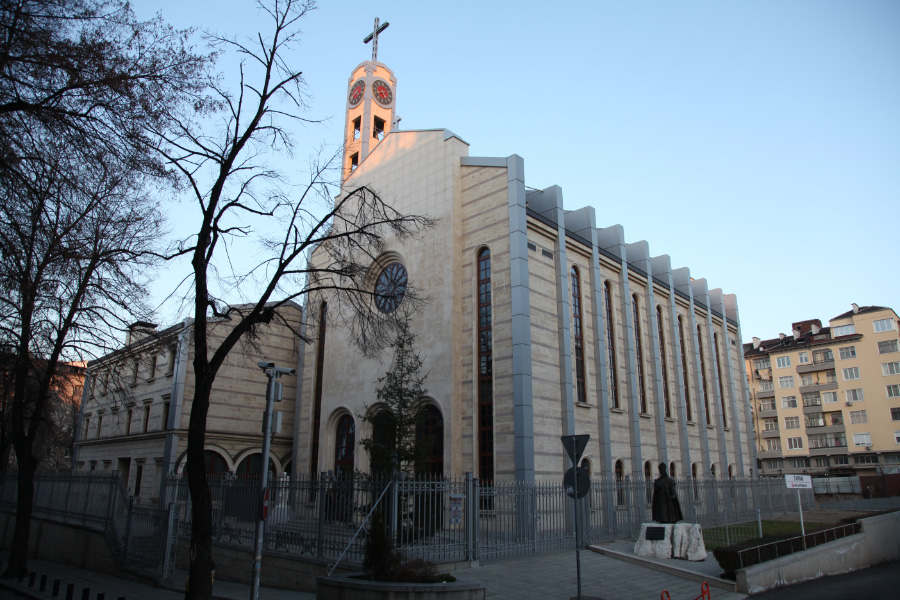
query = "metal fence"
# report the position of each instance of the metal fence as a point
(140, 537)
(837, 485)
(449, 520)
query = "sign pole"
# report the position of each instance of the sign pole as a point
(802, 528)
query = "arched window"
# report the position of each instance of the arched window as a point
(648, 481)
(672, 470)
(730, 471)
(714, 471)
(485, 370)
(718, 358)
(610, 345)
(317, 393)
(695, 479)
(578, 334)
(664, 365)
(620, 483)
(431, 430)
(251, 467)
(214, 463)
(638, 355)
(703, 374)
(344, 441)
(684, 370)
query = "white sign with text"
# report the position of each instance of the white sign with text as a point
(798, 481)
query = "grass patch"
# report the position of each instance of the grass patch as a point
(714, 537)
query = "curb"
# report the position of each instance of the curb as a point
(716, 582)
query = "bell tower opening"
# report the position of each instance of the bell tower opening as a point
(371, 97)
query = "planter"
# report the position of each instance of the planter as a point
(348, 588)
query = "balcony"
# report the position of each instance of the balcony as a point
(763, 454)
(764, 374)
(820, 387)
(838, 450)
(825, 365)
(814, 408)
(766, 394)
(766, 413)
(771, 433)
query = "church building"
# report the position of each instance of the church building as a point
(539, 322)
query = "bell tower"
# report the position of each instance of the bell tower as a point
(371, 97)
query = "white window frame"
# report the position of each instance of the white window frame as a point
(890, 368)
(854, 395)
(897, 437)
(893, 391)
(789, 402)
(795, 443)
(806, 380)
(766, 386)
(882, 325)
(829, 397)
(847, 352)
(782, 362)
(843, 330)
(858, 417)
(850, 373)
(792, 422)
(786, 381)
(895, 416)
(862, 439)
(803, 358)
(773, 445)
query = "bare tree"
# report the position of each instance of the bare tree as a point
(242, 199)
(83, 86)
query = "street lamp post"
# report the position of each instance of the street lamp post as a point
(273, 394)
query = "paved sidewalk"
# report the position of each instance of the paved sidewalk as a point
(113, 587)
(551, 576)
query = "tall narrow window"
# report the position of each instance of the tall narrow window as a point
(430, 430)
(684, 370)
(703, 374)
(638, 355)
(721, 383)
(610, 345)
(343, 447)
(664, 367)
(317, 394)
(485, 370)
(578, 334)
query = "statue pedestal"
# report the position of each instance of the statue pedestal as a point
(678, 540)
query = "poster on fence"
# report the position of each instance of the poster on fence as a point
(456, 504)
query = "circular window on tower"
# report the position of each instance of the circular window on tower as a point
(390, 287)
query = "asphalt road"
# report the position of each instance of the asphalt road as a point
(882, 581)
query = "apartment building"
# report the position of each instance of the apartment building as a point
(826, 400)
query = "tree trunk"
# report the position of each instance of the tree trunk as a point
(18, 552)
(201, 568)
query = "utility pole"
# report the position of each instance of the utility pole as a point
(273, 394)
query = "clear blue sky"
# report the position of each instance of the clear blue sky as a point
(757, 143)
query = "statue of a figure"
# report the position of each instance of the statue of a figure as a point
(666, 508)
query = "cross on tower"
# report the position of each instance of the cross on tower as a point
(374, 38)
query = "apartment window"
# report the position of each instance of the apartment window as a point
(822, 356)
(830, 376)
(766, 386)
(806, 380)
(799, 463)
(883, 325)
(773, 445)
(803, 358)
(786, 381)
(893, 391)
(795, 443)
(770, 424)
(580, 391)
(761, 364)
(865, 460)
(891, 368)
(851, 373)
(854, 395)
(767, 405)
(843, 330)
(775, 463)
(812, 399)
(897, 437)
(814, 420)
(782, 362)
(829, 397)
(840, 460)
(847, 352)
(887, 346)
(862, 439)
(858, 416)
(892, 458)
(837, 418)
(895, 414)
(792, 422)
(789, 402)
(822, 461)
